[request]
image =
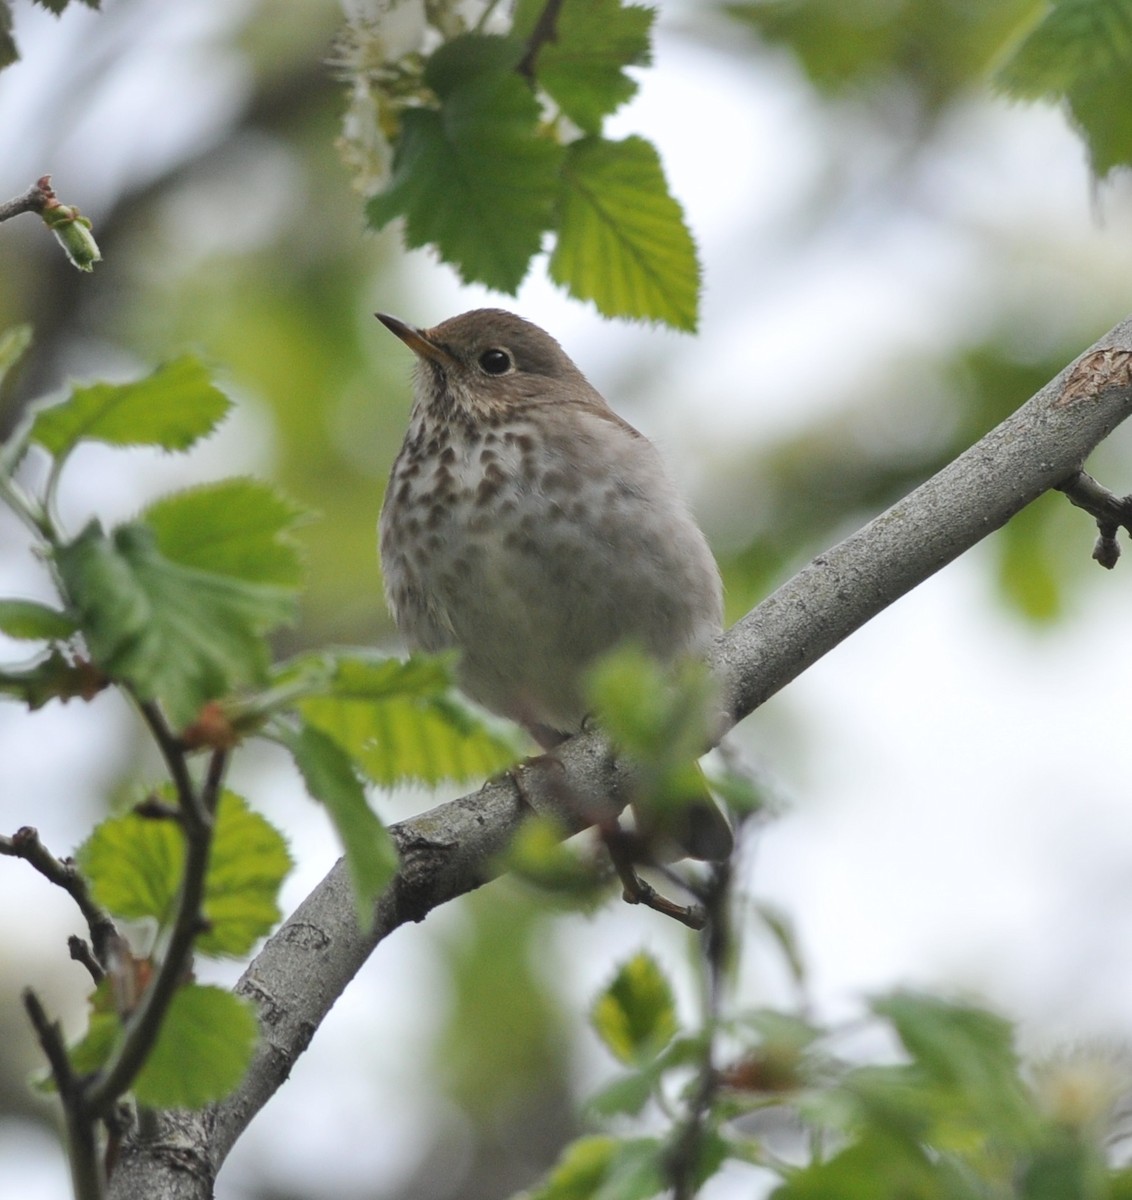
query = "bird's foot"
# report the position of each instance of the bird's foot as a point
(636, 891)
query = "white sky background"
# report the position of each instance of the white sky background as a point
(961, 816)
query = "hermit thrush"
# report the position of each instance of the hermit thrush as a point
(531, 528)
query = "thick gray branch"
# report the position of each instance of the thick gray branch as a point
(303, 969)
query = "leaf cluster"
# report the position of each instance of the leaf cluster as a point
(1076, 53)
(9, 52)
(955, 1115)
(502, 145)
(176, 608)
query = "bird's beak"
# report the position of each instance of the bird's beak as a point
(417, 340)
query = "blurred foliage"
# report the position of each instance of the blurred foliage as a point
(932, 50)
(247, 247)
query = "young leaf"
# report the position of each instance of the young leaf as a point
(134, 866)
(622, 241)
(175, 634)
(202, 1051)
(636, 1015)
(247, 867)
(32, 622)
(329, 774)
(172, 408)
(1081, 52)
(474, 177)
(237, 527)
(580, 1170)
(13, 346)
(537, 856)
(583, 66)
(876, 1167)
(605, 1168)
(957, 1045)
(400, 722)
(625, 1095)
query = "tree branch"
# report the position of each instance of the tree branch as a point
(34, 200)
(1111, 513)
(305, 966)
(25, 844)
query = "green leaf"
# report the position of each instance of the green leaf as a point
(8, 52)
(1074, 40)
(605, 1168)
(32, 622)
(1030, 575)
(580, 1170)
(237, 527)
(246, 869)
(636, 1171)
(104, 1027)
(876, 1167)
(401, 722)
(171, 408)
(933, 50)
(957, 1044)
(583, 67)
(660, 716)
(538, 857)
(626, 1095)
(329, 774)
(14, 343)
(175, 634)
(1081, 53)
(202, 1051)
(134, 866)
(474, 177)
(636, 1015)
(622, 241)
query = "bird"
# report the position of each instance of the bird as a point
(531, 528)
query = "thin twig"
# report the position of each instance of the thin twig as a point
(545, 30)
(174, 755)
(87, 1176)
(82, 953)
(683, 1159)
(1110, 511)
(25, 844)
(34, 200)
(143, 1026)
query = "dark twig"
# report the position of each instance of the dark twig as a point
(34, 200)
(25, 844)
(1111, 513)
(174, 755)
(82, 953)
(684, 1156)
(143, 1026)
(86, 1173)
(545, 30)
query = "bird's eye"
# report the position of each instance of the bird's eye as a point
(496, 362)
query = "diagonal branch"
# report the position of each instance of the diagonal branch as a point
(305, 966)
